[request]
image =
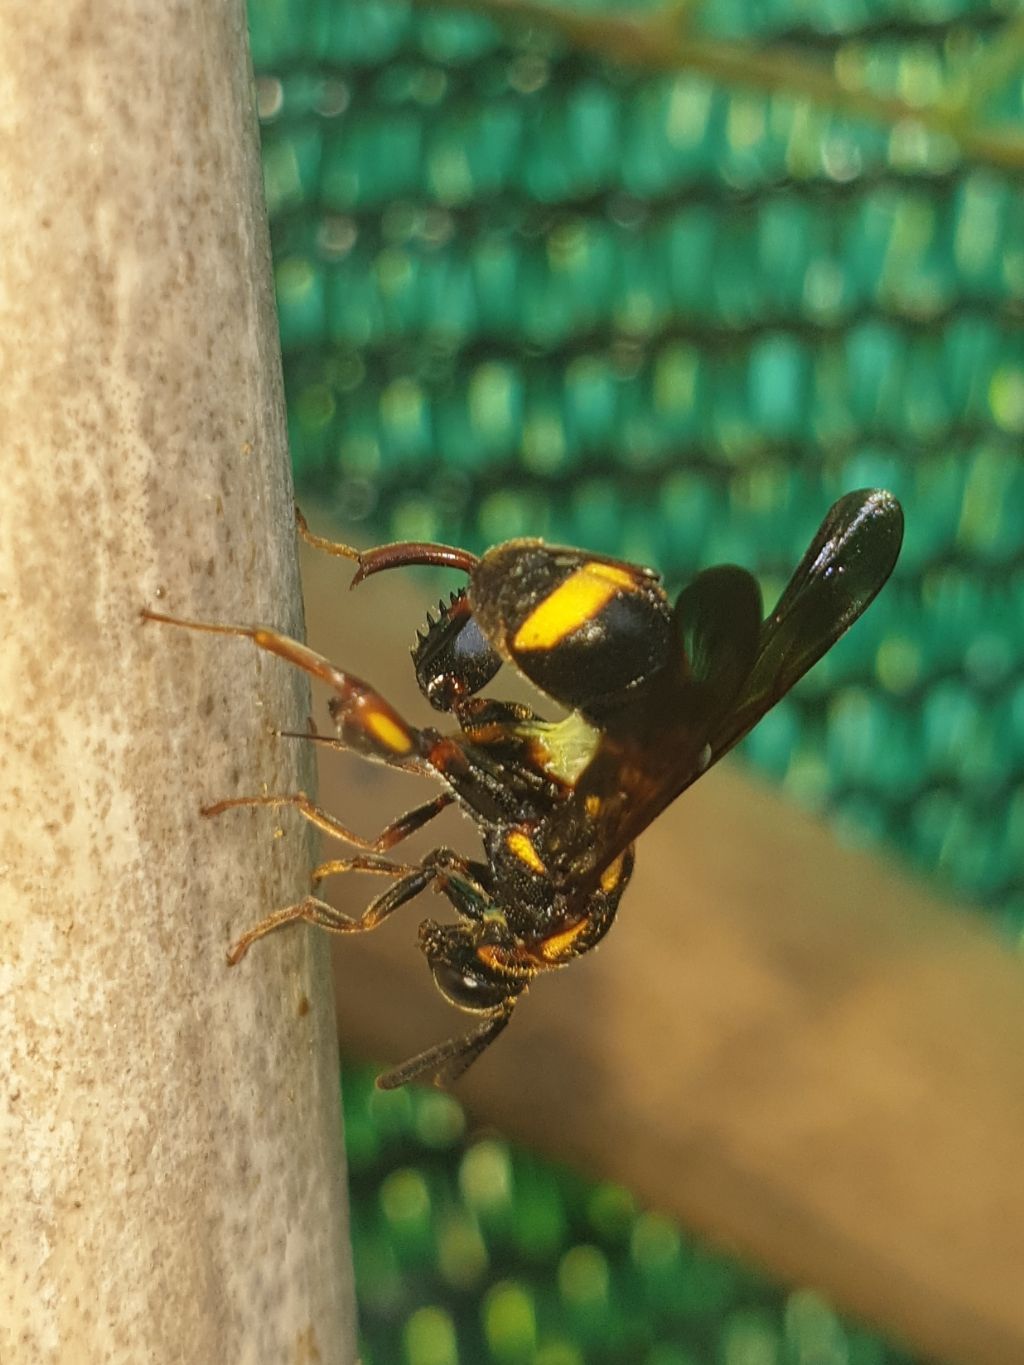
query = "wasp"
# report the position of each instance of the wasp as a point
(655, 694)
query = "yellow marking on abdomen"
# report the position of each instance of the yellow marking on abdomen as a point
(388, 731)
(519, 844)
(572, 604)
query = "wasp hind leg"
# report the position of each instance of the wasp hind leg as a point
(366, 722)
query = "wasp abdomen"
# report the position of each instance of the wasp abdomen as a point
(586, 630)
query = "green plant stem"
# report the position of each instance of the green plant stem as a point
(661, 42)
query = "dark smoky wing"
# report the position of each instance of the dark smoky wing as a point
(717, 624)
(847, 564)
(739, 669)
(652, 752)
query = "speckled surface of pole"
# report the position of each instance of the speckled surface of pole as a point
(170, 1145)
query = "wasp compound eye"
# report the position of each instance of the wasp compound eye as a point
(469, 990)
(453, 658)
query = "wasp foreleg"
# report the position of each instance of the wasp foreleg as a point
(463, 882)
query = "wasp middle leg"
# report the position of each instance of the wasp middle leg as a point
(325, 916)
(455, 877)
(388, 837)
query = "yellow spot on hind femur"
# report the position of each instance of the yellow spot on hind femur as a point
(387, 731)
(572, 604)
(519, 844)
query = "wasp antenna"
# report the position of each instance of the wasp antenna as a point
(445, 1062)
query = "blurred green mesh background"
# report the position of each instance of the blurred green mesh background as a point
(522, 293)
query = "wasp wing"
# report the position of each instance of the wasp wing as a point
(841, 574)
(735, 668)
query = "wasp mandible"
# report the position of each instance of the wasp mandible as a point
(656, 693)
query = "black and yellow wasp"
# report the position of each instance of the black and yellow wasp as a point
(656, 694)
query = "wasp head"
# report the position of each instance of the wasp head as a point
(475, 982)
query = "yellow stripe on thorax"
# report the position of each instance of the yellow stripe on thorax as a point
(612, 875)
(519, 844)
(549, 952)
(554, 948)
(572, 604)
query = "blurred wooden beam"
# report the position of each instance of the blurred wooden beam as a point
(783, 1041)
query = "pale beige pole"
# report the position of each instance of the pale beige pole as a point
(170, 1146)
